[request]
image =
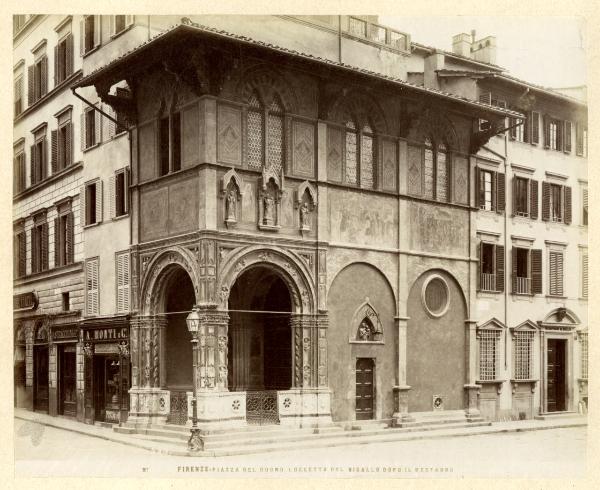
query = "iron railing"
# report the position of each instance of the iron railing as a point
(488, 282)
(523, 285)
(178, 413)
(261, 407)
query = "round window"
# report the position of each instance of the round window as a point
(435, 295)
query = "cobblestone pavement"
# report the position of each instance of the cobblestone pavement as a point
(45, 451)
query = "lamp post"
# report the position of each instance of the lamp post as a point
(195, 442)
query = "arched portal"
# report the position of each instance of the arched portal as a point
(260, 337)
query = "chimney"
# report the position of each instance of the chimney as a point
(461, 44)
(484, 50)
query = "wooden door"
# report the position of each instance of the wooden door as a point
(40, 400)
(67, 398)
(365, 392)
(556, 375)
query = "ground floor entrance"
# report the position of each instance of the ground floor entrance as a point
(67, 400)
(40, 378)
(106, 388)
(365, 392)
(556, 375)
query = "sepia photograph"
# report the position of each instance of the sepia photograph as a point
(283, 246)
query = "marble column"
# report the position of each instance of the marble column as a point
(401, 389)
(471, 387)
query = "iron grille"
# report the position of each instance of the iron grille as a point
(261, 407)
(442, 176)
(428, 173)
(351, 159)
(366, 161)
(488, 354)
(255, 139)
(178, 413)
(275, 129)
(523, 344)
(583, 338)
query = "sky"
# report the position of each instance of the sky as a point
(548, 51)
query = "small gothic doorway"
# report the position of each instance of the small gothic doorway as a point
(260, 341)
(179, 301)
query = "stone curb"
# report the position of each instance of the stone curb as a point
(155, 447)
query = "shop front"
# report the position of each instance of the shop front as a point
(106, 371)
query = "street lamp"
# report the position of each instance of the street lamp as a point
(195, 442)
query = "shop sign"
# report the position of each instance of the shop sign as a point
(65, 333)
(105, 334)
(106, 349)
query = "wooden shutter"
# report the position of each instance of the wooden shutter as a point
(584, 275)
(98, 126)
(112, 196)
(585, 210)
(57, 240)
(123, 282)
(23, 254)
(567, 139)
(536, 271)
(535, 128)
(44, 75)
(579, 139)
(556, 274)
(69, 144)
(82, 132)
(44, 158)
(500, 192)
(499, 249)
(514, 269)
(69, 55)
(477, 186)
(111, 127)
(82, 213)
(91, 286)
(82, 36)
(514, 196)
(568, 205)
(546, 201)
(56, 66)
(30, 85)
(70, 239)
(98, 201)
(126, 191)
(44, 247)
(97, 28)
(35, 245)
(479, 264)
(32, 165)
(533, 199)
(54, 145)
(546, 131)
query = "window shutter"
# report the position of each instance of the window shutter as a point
(129, 19)
(98, 201)
(82, 131)
(535, 128)
(111, 24)
(30, 85)
(500, 192)
(44, 247)
(126, 191)
(57, 262)
(567, 139)
(15, 175)
(499, 249)
(112, 197)
(82, 213)
(35, 244)
(545, 201)
(69, 144)
(23, 254)
(568, 208)
(97, 27)
(579, 139)
(584, 276)
(536, 271)
(513, 128)
(56, 66)
(533, 199)
(54, 144)
(32, 165)
(514, 269)
(69, 55)
(98, 126)
(479, 265)
(92, 286)
(477, 186)
(123, 282)
(44, 158)
(584, 198)
(44, 75)
(514, 196)
(82, 37)
(70, 238)
(546, 131)
(527, 128)
(486, 98)
(111, 130)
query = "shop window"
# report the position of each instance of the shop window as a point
(491, 267)
(488, 340)
(91, 203)
(556, 203)
(119, 193)
(491, 195)
(63, 236)
(63, 59)
(39, 244)
(523, 354)
(555, 273)
(92, 297)
(122, 275)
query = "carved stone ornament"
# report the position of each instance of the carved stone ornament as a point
(231, 192)
(88, 349)
(124, 348)
(369, 327)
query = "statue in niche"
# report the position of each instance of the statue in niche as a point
(365, 331)
(231, 205)
(269, 205)
(305, 216)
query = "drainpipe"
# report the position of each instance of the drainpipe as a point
(504, 159)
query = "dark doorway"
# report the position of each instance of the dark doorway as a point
(107, 377)
(556, 375)
(67, 402)
(40, 377)
(365, 391)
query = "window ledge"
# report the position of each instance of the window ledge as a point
(50, 273)
(93, 50)
(121, 32)
(119, 218)
(87, 148)
(92, 225)
(47, 181)
(555, 296)
(367, 342)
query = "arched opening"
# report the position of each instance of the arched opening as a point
(260, 338)
(179, 299)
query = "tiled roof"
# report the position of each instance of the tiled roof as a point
(187, 25)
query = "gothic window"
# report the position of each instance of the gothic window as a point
(436, 170)
(361, 163)
(442, 174)
(275, 135)
(265, 129)
(428, 170)
(255, 132)
(367, 177)
(351, 153)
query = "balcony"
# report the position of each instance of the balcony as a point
(487, 282)
(378, 34)
(523, 285)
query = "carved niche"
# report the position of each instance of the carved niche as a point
(269, 200)
(367, 324)
(231, 195)
(306, 204)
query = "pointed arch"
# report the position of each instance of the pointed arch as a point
(231, 176)
(271, 85)
(360, 107)
(306, 186)
(366, 314)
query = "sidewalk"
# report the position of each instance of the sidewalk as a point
(176, 450)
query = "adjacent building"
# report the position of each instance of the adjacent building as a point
(340, 206)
